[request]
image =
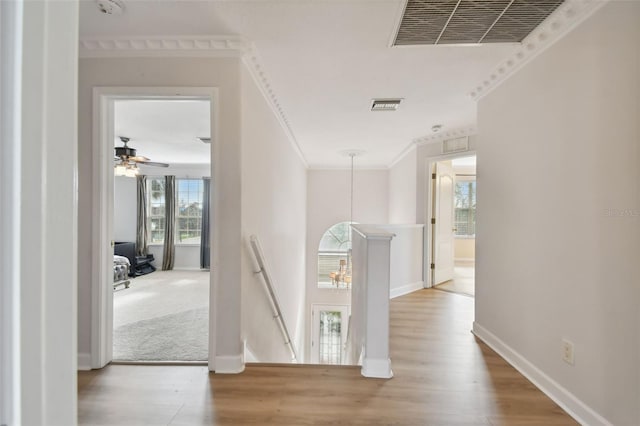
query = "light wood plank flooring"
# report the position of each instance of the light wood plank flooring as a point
(442, 376)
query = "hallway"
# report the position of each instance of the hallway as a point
(442, 376)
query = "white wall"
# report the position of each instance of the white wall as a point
(554, 261)
(274, 194)
(402, 189)
(125, 213)
(224, 74)
(327, 204)
(406, 258)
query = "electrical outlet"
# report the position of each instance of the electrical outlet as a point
(567, 351)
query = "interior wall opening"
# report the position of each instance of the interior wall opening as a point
(161, 231)
(453, 228)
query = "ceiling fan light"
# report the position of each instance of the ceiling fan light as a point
(131, 171)
(120, 170)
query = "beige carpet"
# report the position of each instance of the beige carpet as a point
(162, 316)
(463, 281)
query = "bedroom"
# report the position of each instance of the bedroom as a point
(161, 309)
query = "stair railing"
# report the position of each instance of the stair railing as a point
(273, 298)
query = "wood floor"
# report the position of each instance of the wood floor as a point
(442, 376)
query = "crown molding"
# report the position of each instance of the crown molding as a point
(459, 132)
(406, 151)
(217, 46)
(565, 18)
(252, 61)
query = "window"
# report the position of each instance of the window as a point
(155, 210)
(188, 211)
(465, 208)
(189, 194)
(334, 248)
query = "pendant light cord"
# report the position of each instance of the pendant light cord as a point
(351, 214)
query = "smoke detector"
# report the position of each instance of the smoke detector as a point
(385, 104)
(110, 7)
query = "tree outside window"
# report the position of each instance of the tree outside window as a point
(189, 211)
(465, 208)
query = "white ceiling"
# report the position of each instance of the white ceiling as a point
(326, 60)
(165, 131)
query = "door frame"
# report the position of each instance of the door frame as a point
(428, 208)
(102, 208)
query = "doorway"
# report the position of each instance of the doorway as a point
(176, 303)
(453, 230)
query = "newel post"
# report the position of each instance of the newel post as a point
(370, 299)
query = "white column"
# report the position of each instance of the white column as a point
(39, 211)
(371, 258)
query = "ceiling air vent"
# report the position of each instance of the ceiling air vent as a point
(455, 145)
(471, 21)
(385, 104)
(205, 140)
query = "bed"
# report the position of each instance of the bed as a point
(121, 268)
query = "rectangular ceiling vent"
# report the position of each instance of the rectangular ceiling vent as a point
(385, 104)
(205, 140)
(455, 145)
(471, 21)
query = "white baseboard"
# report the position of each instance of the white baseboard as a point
(376, 368)
(230, 364)
(84, 361)
(406, 289)
(577, 409)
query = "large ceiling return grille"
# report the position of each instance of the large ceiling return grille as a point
(471, 21)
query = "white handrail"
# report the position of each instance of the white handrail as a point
(273, 298)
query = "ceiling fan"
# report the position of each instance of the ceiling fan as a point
(127, 161)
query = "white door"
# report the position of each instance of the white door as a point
(443, 229)
(329, 337)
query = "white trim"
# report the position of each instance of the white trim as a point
(10, 168)
(459, 132)
(405, 289)
(577, 409)
(256, 70)
(356, 168)
(229, 364)
(84, 361)
(402, 6)
(565, 18)
(165, 46)
(376, 368)
(408, 149)
(102, 207)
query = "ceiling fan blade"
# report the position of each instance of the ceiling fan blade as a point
(139, 159)
(153, 163)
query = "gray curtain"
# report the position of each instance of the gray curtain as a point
(168, 254)
(141, 234)
(205, 235)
